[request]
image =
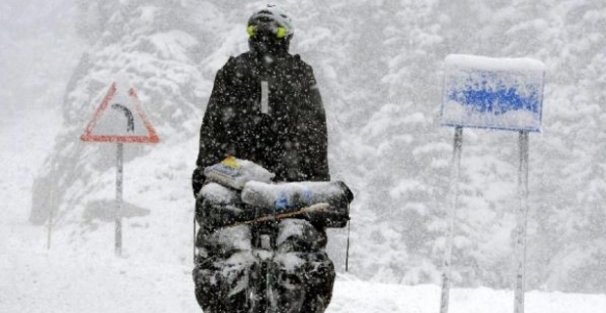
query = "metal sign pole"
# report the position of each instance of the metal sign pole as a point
(118, 211)
(522, 217)
(455, 171)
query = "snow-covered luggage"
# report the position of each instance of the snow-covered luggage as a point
(261, 249)
(291, 197)
(325, 204)
(220, 206)
(276, 267)
(233, 172)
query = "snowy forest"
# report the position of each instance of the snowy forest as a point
(379, 66)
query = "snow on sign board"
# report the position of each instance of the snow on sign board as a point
(120, 118)
(497, 93)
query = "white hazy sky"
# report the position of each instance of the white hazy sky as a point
(38, 47)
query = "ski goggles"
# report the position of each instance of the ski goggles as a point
(267, 28)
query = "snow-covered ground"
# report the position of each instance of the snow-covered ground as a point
(67, 279)
(41, 281)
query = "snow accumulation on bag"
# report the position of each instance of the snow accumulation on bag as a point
(248, 264)
(233, 172)
(498, 93)
(239, 191)
(220, 206)
(290, 197)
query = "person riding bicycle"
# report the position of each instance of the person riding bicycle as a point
(265, 107)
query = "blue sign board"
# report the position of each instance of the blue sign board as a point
(493, 93)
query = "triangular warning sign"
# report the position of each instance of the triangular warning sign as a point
(120, 118)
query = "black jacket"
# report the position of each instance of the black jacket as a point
(269, 112)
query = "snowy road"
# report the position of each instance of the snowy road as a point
(65, 282)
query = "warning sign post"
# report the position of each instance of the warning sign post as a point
(120, 119)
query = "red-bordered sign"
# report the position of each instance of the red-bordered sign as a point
(125, 122)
